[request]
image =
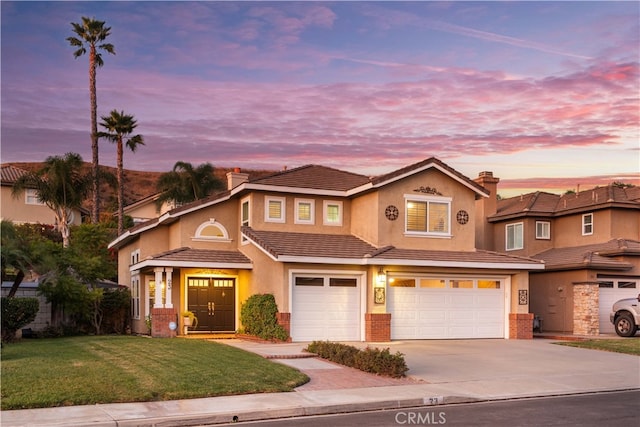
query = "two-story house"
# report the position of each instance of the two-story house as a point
(26, 209)
(589, 242)
(347, 257)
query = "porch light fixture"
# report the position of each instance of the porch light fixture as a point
(381, 279)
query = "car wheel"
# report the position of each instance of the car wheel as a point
(625, 326)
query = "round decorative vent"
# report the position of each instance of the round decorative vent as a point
(462, 217)
(391, 213)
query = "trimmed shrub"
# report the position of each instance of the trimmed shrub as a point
(16, 313)
(258, 317)
(373, 360)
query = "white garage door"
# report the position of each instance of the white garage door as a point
(438, 308)
(326, 308)
(611, 290)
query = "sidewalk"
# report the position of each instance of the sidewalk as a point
(441, 372)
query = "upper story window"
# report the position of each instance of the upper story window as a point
(274, 209)
(305, 211)
(211, 230)
(332, 212)
(515, 236)
(31, 197)
(428, 216)
(543, 230)
(245, 217)
(135, 257)
(587, 224)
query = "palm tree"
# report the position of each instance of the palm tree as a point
(119, 125)
(186, 184)
(60, 185)
(91, 33)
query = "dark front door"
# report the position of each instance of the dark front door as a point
(213, 301)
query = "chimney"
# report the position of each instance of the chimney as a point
(236, 178)
(485, 207)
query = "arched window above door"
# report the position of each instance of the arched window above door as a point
(212, 230)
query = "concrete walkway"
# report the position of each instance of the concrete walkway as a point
(440, 372)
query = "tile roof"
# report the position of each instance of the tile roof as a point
(186, 254)
(279, 243)
(477, 256)
(599, 255)
(285, 244)
(10, 174)
(547, 204)
(314, 176)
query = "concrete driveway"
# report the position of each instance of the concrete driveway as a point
(509, 368)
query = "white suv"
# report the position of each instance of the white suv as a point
(625, 316)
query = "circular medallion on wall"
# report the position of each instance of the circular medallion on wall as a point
(391, 213)
(462, 217)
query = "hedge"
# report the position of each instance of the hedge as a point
(374, 360)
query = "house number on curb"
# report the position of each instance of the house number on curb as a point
(523, 297)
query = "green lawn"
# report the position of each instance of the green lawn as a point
(106, 369)
(622, 345)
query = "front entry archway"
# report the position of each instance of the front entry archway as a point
(213, 301)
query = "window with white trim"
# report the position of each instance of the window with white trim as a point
(515, 236)
(274, 209)
(587, 224)
(31, 197)
(151, 291)
(135, 297)
(429, 216)
(332, 212)
(543, 230)
(305, 211)
(211, 230)
(245, 218)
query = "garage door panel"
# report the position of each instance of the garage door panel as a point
(326, 312)
(418, 313)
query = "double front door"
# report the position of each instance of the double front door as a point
(213, 301)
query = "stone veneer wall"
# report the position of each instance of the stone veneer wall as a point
(521, 326)
(586, 306)
(377, 327)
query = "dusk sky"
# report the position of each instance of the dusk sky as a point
(544, 94)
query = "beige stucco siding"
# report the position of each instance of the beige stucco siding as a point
(267, 276)
(183, 232)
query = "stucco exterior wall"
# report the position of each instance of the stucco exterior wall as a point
(552, 298)
(17, 211)
(367, 211)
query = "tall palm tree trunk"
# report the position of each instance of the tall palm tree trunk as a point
(120, 188)
(95, 212)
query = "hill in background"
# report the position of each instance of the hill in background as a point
(138, 184)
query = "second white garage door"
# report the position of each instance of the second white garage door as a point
(326, 308)
(441, 308)
(611, 290)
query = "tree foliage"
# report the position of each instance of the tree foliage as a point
(119, 126)
(91, 34)
(185, 184)
(61, 185)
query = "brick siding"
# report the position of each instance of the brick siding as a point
(521, 326)
(160, 319)
(377, 327)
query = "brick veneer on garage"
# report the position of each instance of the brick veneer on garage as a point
(284, 320)
(160, 319)
(586, 306)
(377, 327)
(521, 326)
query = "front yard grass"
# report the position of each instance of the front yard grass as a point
(107, 369)
(622, 345)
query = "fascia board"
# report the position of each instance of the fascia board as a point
(189, 264)
(463, 264)
(322, 260)
(296, 190)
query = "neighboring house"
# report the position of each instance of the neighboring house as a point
(347, 257)
(29, 289)
(26, 209)
(589, 242)
(146, 208)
